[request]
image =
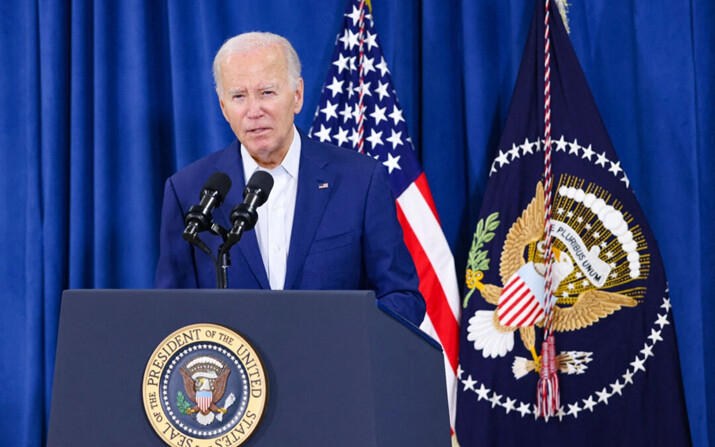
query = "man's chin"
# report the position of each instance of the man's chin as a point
(258, 143)
(260, 150)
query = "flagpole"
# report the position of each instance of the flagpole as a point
(361, 92)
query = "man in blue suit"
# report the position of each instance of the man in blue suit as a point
(330, 221)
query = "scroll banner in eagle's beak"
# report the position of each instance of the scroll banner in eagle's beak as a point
(595, 269)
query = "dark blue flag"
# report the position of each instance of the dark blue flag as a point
(617, 360)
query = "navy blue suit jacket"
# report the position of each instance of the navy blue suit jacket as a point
(345, 236)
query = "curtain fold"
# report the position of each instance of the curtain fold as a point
(102, 101)
(702, 313)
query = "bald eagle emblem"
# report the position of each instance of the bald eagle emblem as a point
(205, 380)
(596, 254)
(196, 387)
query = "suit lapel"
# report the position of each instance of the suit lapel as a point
(247, 247)
(314, 188)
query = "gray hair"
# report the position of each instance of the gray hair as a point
(246, 42)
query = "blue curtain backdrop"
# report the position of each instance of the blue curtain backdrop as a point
(103, 100)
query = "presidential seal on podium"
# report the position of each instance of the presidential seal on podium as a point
(204, 385)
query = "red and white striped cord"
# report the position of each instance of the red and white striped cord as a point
(548, 387)
(548, 180)
(361, 92)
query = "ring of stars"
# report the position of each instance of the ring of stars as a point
(571, 148)
(165, 390)
(598, 397)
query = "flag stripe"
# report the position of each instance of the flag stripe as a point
(527, 306)
(515, 282)
(439, 322)
(430, 235)
(513, 289)
(526, 319)
(513, 300)
(422, 185)
(449, 374)
(518, 305)
(438, 309)
(513, 317)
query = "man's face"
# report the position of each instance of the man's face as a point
(259, 103)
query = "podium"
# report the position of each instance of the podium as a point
(340, 371)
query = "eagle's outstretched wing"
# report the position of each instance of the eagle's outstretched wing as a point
(491, 293)
(220, 385)
(188, 385)
(590, 306)
(527, 228)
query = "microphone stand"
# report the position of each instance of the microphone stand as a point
(223, 260)
(243, 217)
(230, 238)
(224, 257)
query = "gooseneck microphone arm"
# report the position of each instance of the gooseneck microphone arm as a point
(199, 218)
(243, 217)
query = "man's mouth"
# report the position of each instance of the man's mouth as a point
(258, 130)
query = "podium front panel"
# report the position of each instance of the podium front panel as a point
(340, 371)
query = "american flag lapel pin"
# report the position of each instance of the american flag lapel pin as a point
(322, 185)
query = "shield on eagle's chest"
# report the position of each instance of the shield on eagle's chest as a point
(203, 400)
(521, 302)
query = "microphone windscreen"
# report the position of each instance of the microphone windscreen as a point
(219, 182)
(262, 181)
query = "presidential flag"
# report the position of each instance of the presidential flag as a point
(359, 110)
(615, 353)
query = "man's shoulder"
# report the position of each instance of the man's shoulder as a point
(188, 181)
(208, 163)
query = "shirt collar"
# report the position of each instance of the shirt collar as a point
(290, 163)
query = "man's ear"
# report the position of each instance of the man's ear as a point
(298, 97)
(223, 107)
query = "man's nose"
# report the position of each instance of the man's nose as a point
(254, 107)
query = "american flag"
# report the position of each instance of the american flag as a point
(359, 110)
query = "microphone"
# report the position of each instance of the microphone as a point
(199, 217)
(244, 215)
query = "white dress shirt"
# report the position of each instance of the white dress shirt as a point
(275, 217)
